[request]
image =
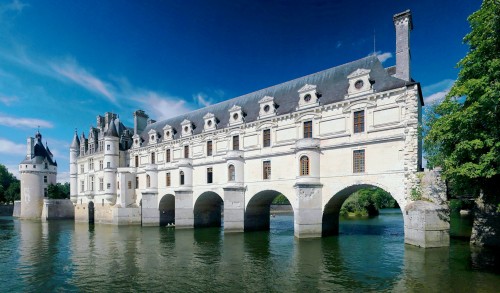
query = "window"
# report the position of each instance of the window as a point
(101, 184)
(46, 165)
(308, 131)
(358, 165)
(168, 179)
(82, 186)
(148, 181)
(101, 165)
(45, 192)
(117, 184)
(152, 158)
(129, 184)
(359, 121)
(91, 187)
(181, 177)
(136, 182)
(82, 169)
(186, 151)
(108, 186)
(108, 147)
(266, 170)
(210, 175)
(168, 156)
(266, 136)
(108, 164)
(209, 148)
(304, 166)
(236, 142)
(231, 173)
(91, 164)
(44, 179)
(137, 161)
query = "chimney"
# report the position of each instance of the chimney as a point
(140, 121)
(29, 147)
(403, 25)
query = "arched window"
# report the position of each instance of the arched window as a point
(152, 158)
(181, 175)
(304, 166)
(148, 181)
(231, 173)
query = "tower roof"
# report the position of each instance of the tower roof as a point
(111, 131)
(40, 153)
(75, 144)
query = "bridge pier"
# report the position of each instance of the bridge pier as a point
(308, 212)
(184, 214)
(150, 214)
(234, 209)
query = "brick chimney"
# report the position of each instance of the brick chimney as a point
(403, 25)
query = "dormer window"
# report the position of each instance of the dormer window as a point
(267, 107)
(137, 141)
(168, 133)
(359, 83)
(236, 115)
(153, 136)
(308, 96)
(210, 122)
(187, 128)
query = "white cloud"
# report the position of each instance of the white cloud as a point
(74, 72)
(161, 106)
(11, 148)
(382, 57)
(203, 100)
(436, 92)
(7, 101)
(23, 122)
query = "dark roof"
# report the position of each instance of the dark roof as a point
(111, 131)
(40, 153)
(331, 83)
(75, 144)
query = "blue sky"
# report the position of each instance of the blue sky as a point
(64, 62)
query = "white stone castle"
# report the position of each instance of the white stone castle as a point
(315, 139)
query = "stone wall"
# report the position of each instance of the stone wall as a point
(6, 210)
(55, 209)
(17, 209)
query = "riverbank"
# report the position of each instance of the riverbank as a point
(281, 209)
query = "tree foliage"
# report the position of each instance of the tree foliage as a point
(9, 186)
(367, 202)
(58, 191)
(464, 130)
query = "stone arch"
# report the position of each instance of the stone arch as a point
(258, 210)
(331, 210)
(166, 209)
(91, 212)
(208, 210)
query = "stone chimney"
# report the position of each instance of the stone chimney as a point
(403, 25)
(29, 147)
(140, 121)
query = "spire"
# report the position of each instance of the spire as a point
(111, 131)
(75, 144)
(38, 135)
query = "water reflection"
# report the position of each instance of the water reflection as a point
(369, 255)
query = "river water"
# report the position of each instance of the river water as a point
(368, 255)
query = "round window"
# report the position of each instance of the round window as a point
(266, 108)
(236, 116)
(186, 129)
(307, 97)
(209, 123)
(359, 84)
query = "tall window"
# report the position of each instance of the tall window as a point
(209, 148)
(136, 182)
(266, 170)
(129, 184)
(100, 164)
(308, 129)
(82, 169)
(168, 156)
(82, 185)
(304, 166)
(45, 192)
(266, 137)
(108, 165)
(108, 147)
(210, 177)
(168, 179)
(181, 177)
(231, 173)
(359, 121)
(236, 142)
(186, 151)
(358, 165)
(46, 165)
(44, 179)
(148, 181)
(152, 158)
(137, 161)
(101, 184)
(91, 164)
(91, 187)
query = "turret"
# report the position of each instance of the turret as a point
(111, 161)
(74, 152)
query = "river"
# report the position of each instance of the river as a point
(368, 255)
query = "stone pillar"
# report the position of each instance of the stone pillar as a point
(234, 209)
(427, 224)
(308, 212)
(184, 214)
(150, 209)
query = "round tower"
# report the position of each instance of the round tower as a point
(37, 171)
(74, 152)
(111, 161)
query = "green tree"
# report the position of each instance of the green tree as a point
(6, 179)
(58, 191)
(464, 130)
(367, 202)
(13, 192)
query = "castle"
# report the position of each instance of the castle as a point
(315, 139)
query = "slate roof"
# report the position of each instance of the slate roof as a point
(331, 83)
(40, 153)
